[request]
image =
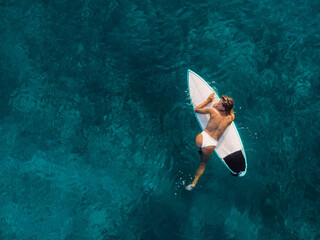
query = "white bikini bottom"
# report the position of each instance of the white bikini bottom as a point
(207, 140)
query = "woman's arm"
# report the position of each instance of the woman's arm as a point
(200, 109)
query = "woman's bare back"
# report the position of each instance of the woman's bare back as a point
(218, 123)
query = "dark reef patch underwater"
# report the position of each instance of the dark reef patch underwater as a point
(97, 131)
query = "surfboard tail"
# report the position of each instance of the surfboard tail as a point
(236, 163)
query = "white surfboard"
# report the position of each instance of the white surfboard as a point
(229, 148)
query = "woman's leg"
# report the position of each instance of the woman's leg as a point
(206, 154)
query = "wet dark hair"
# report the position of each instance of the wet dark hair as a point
(227, 102)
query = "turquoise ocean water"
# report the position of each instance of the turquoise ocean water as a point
(97, 131)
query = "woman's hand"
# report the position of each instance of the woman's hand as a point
(211, 97)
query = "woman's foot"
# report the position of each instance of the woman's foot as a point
(190, 187)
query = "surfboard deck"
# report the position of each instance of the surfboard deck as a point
(229, 148)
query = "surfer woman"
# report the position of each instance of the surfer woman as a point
(221, 116)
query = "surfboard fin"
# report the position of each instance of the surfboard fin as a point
(235, 174)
